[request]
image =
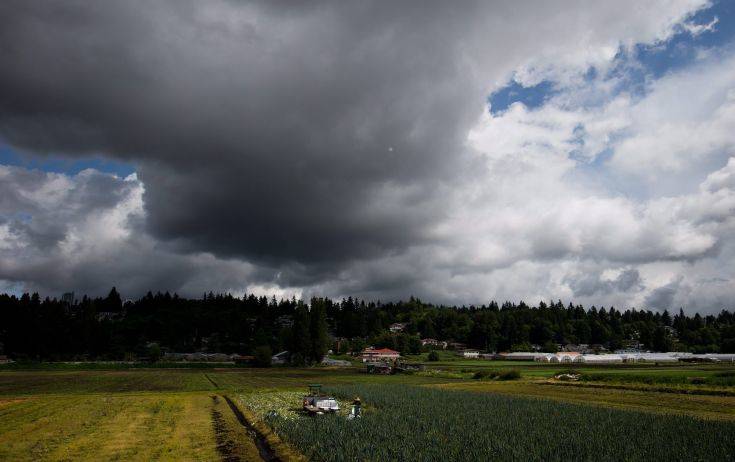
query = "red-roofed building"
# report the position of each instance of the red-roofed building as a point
(377, 355)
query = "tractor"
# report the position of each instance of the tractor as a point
(316, 402)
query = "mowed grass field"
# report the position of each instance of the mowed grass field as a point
(181, 414)
(116, 427)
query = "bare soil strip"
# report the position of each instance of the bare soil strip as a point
(266, 452)
(225, 446)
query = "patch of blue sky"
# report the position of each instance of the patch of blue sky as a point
(11, 287)
(62, 164)
(646, 62)
(514, 92)
(25, 217)
(633, 69)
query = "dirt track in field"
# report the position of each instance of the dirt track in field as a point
(266, 452)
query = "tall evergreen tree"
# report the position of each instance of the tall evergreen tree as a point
(113, 302)
(666, 318)
(318, 330)
(300, 335)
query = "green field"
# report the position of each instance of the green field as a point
(409, 423)
(69, 413)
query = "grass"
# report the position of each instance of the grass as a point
(110, 365)
(73, 382)
(700, 406)
(509, 374)
(93, 428)
(694, 377)
(232, 440)
(169, 414)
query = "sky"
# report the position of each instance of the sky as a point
(457, 152)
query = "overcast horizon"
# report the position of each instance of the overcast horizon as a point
(459, 152)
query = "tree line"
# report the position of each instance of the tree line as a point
(32, 328)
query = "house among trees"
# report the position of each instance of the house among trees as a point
(370, 355)
(432, 342)
(284, 321)
(397, 327)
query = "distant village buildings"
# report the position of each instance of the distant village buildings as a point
(612, 358)
(379, 354)
(473, 354)
(434, 343)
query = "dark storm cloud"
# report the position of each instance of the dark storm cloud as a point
(662, 298)
(592, 284)
(312, 134)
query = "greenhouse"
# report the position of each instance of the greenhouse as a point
(600, 359)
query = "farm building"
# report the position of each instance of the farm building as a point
(567, 356)
(469, 353)
(382, 354)
(326, 361)
(673, 356)
(519, 356)
(378, 368)
(561, 357)
(280, 358)
(564, 357)
(600, 359)
(724, 357)
(197, 357)
(657, 357)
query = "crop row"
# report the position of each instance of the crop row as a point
(421, 423)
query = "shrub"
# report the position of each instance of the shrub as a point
(263, 356)
(550, 347)
(433, 356)
(484, 374)
(154, 352)
(511, 374)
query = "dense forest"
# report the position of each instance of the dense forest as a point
(32, 328)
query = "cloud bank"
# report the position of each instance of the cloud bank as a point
(346, 148)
